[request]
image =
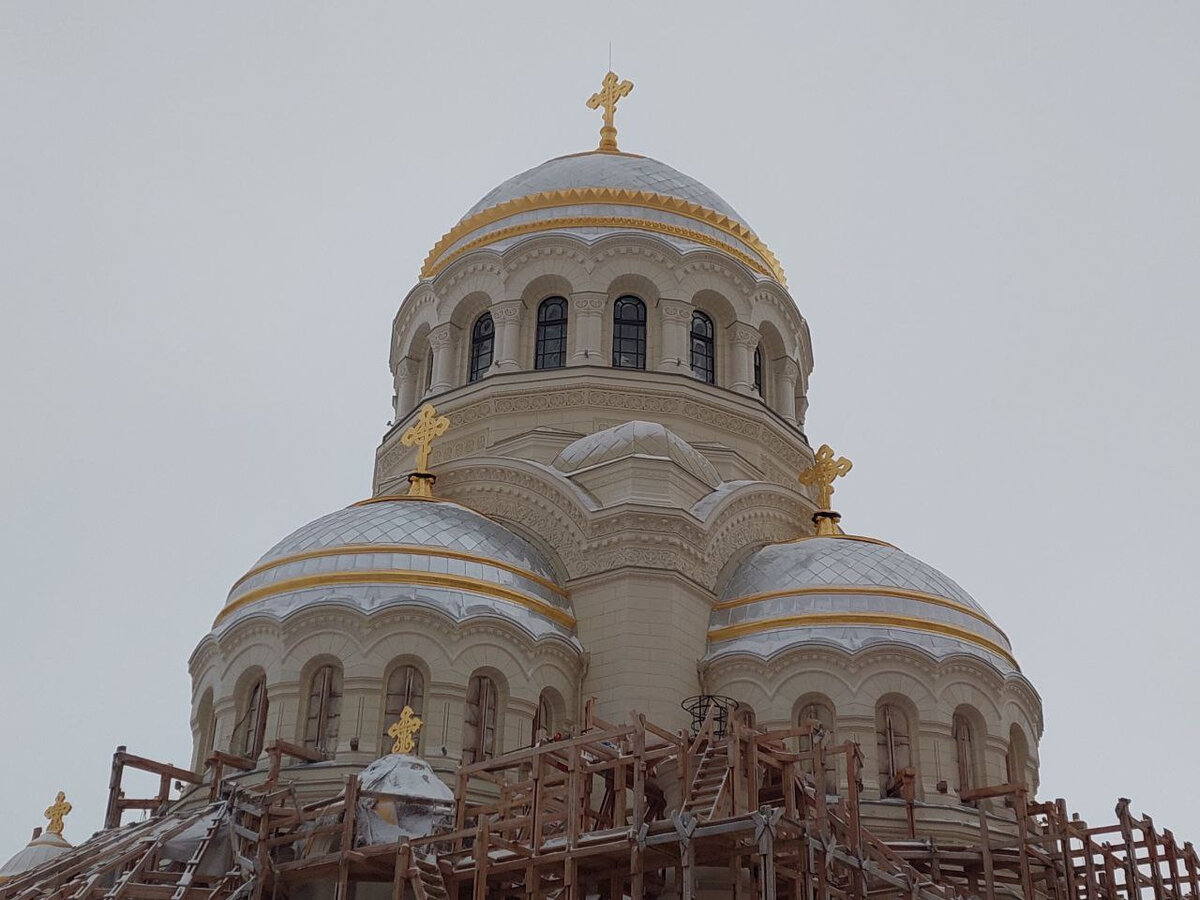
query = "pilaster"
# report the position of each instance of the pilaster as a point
(744, 340)
(676, 318)
(442, 340)
(587, 329)
(506, 316)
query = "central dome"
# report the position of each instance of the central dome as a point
(596, 194)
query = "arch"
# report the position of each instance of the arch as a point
(969, 731)
(404, 684)
(895, 743)
(629, 333)
(483, 347)
(815, 707)
(1016, 759)
(250, 722)
(481, 719)
(702, 352)
(322, 706)
(550, 343)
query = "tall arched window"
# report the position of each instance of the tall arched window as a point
(543, 719)
(324, 708)
(483, 343)
(629, 334)
(251, 724)
(479, 726)
(704, 359)
(965, 749)
(551, 349)
(819, 710)
(893, 747)
(1016, 760)
(758, 370)
(405, 687)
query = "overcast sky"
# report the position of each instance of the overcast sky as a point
(209, 213)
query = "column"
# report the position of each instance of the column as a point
(676, 322)
(585, 329)
(744, 341)
(506, 317)
(442, 340)
(786, 373)
(407, 378)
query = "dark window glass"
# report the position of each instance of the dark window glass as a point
(758, 370)
(551, 351)
(704, 363)
(629, 334)
(483, 342)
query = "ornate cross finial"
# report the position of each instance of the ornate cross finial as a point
(611, 90)
(428, 428)
(405, 731)
(56, 813)
(822, 473)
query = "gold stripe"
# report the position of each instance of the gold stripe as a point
(434, 262)
(729, 632)
(872, 590)
(841, 537)
(402, 576)
(400, 548)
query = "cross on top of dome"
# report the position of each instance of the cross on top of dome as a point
(421, 434)
(821, 474)
(611, 90)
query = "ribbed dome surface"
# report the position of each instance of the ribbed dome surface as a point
(851, 593)
(401, 550)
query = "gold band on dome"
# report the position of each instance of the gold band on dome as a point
(439, 257)
(870, 590)
(814, 620)
(401, 576)
(411, 549)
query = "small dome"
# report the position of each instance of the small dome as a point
(591, 195)
(850, 592)
(407, 800)
(647, 439)
(44, 847)
(403, 550)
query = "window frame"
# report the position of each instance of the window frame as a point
(629, 335)
(702, 348)
(486, 707)
(542, 357)
(250, 730)
(323, 708)
(483, 347)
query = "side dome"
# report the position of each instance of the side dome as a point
(391, 551)
(646, 439)
(595, 194)
(850, 592)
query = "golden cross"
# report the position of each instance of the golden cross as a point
(822, 473)
(611, 90)
(428, 428)
(56, 813)
(405, 731)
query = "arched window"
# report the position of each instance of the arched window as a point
(1016, 760)
(543, 719)
(893, 747)
(965, 748)
(206, 721)
(704, 360)
(820, 711)
(251, 724)
(405, 687)
(479, 727)
(758, 370)
(551, 349)
(483, 342)
(324, 708)
(428, 371)
(629, 334)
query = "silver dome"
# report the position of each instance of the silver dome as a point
(401, 550)
(850, 592)
(615, 170)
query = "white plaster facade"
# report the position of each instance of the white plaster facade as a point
(641, 527)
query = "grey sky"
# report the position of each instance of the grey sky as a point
(990, 215)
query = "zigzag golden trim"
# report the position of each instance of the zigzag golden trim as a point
(434, 262)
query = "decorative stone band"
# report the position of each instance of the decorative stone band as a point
(455, 242)
(861, 620)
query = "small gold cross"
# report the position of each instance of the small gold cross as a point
(56, 813)
(428, 428)
(822, 473)
(611, 90)
(405, 731)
